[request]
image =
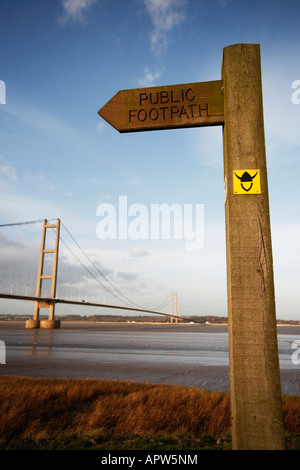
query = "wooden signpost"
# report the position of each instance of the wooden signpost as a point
(167, 107)
(235, 102)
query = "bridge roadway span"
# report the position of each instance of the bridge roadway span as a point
(50, 301)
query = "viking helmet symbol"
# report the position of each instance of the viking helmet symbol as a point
(246, 178)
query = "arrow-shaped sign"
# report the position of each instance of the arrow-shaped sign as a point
(167, 107)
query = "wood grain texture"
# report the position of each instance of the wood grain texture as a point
(254, 363)
(166, 107)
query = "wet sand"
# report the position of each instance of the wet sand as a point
(175, 354)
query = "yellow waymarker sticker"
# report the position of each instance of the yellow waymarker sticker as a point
(246, 182)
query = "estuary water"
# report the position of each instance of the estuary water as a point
(175, 354)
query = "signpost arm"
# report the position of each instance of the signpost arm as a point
(253, 351)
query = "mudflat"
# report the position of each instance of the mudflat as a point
(175, 354)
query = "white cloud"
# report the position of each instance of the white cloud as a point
(41, 121)
(138, 251)
(8, 174)
(165, 15)
(148, 78)
(39, 181)
(101, 127)
(75, 10)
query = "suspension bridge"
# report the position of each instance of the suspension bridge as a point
(46, 276)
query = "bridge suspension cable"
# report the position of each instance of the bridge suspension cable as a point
(114, 291)
(164, 303)
(87, 269)
(25, 223)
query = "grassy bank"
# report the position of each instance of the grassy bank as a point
(106, 414)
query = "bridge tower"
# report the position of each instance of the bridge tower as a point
(50, 304)
(174, 307)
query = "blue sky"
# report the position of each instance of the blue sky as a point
(61, 61)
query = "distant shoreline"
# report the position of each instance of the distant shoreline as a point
(287, 328)
(199, 320)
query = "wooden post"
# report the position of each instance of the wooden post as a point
(253, 351)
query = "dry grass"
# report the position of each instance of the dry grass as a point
(37, 408)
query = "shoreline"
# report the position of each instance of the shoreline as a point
(282, 328)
